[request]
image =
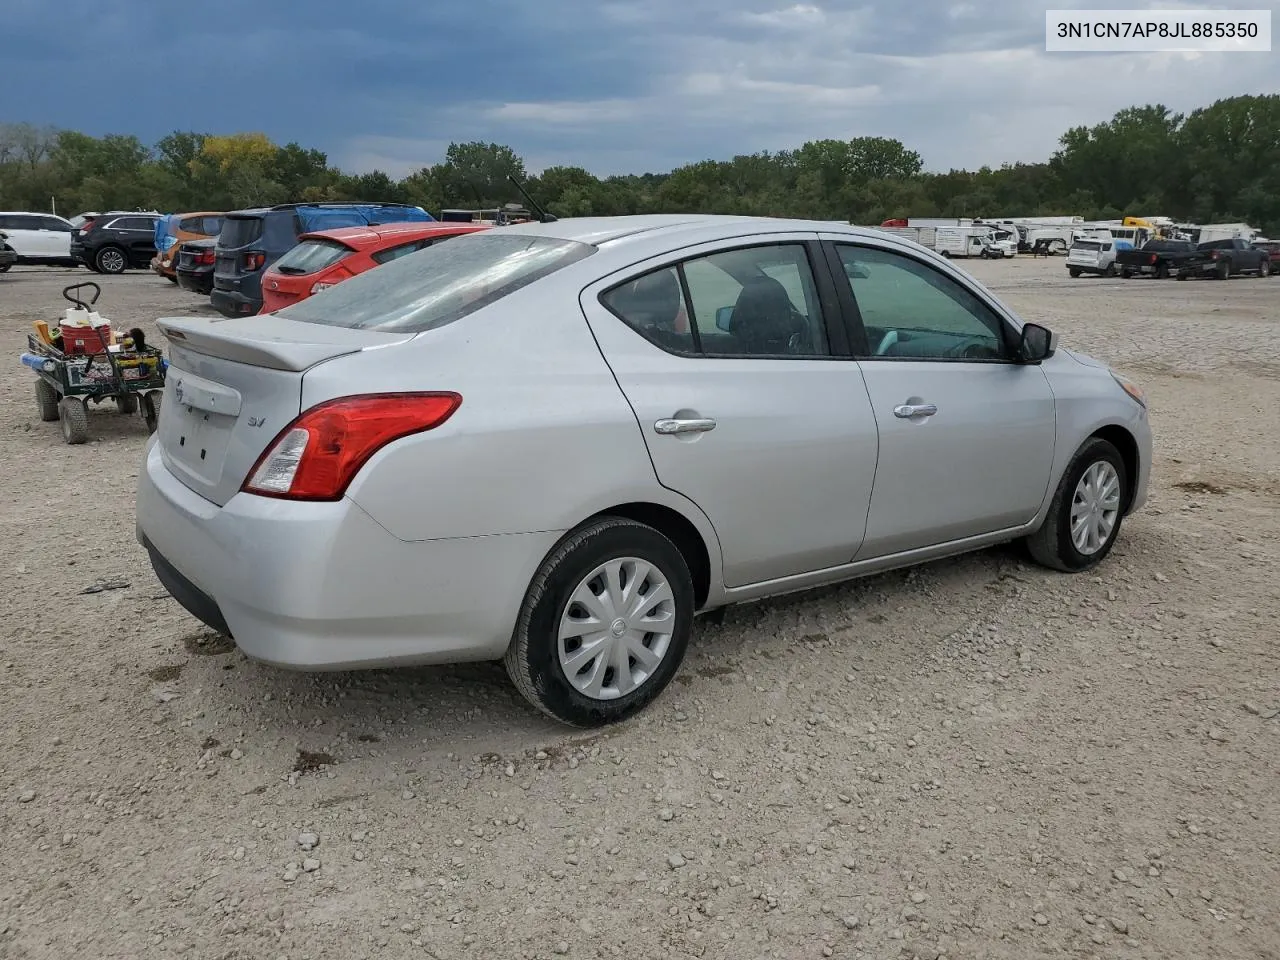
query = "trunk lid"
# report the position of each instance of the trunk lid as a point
(233, 385)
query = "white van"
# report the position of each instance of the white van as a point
(38, 238)
(1092, 253)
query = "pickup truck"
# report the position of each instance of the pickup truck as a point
(1221, 259)
(1157, 258)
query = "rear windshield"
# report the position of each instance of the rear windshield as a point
(1086, 245)
(440, 284)
(239, 231)
(312, 255)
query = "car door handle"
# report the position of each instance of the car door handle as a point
(908, 410)
(672, 427)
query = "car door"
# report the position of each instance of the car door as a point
(737, 368)
(967, 434)
(56, 237)
(24, 235)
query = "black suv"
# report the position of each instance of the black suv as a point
(252, 240)
(114, 242)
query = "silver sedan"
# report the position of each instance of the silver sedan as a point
(556, 443)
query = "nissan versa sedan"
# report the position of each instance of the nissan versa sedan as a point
(555, 443)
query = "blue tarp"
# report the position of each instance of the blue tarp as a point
(164, 232)
(362, 215)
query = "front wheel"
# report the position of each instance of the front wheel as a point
(151, 409)
(1084, 517)
(75, 420)
(604, 624)
(46, 401)
(1264, 268)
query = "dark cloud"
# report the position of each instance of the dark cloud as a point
(614, 85)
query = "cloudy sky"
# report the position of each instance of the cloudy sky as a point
(617, 86)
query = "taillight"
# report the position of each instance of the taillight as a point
(206, 257)
(320, 285)
(1151, 258)
(319, 453)
(254, 261)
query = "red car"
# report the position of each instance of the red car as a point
(326, 257)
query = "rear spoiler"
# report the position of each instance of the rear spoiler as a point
(265, 340)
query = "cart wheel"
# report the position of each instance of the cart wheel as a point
(75, 420)
(151, 409)
(47, 401)
(127, 403)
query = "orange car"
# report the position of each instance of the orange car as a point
(174, 230)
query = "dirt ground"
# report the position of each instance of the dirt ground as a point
(977, 758)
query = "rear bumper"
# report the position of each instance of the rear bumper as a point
(196, 282)
(78, 251)
(233, 303)
(322, 586)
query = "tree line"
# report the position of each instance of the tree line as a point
(1215, 164)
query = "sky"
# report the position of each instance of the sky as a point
(616, 86)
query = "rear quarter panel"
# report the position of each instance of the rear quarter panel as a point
(543, 439)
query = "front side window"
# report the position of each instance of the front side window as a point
(398, 251)
(753, 301)
(444, 283)
(909, 310)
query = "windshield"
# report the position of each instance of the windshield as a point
(312, 255)
(440, 284)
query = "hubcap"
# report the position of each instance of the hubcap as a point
(616, 628)
(112, 260)
(1095, 507)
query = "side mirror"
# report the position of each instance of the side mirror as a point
(724, 319)
(1036, 344)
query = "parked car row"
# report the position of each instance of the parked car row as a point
(1217, 259)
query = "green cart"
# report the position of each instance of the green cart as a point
(68, 382)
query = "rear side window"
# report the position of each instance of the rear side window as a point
(133, 223)
(312, 255)
(239, 231)
(443, 283)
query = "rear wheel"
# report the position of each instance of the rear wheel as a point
(1162, 271)
(127, 403)
(111, 259)
(604, 625)
(75, 420)
(1074, 271)
(1126, 273)
(1223, 271)
(1264, 268)
(1084, 517)
(46, 401)
(1110, 271)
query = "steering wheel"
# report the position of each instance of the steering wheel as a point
(886, 342)
(971, 350)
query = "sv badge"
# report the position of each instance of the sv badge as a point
(257, 421)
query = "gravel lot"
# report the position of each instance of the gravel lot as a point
(977, 758)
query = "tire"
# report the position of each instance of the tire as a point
(151, 409)
(533, 659)
(1264, 268)
(1223, 272)
(1052, 545)
(75, 420)
(1110, 271)
(173, 280)
(1074, 271)
(1126, 274)
(1183, 275)
(46, 401)
(945, 255)
(127, 403)
(1162, 271)
(111, 259)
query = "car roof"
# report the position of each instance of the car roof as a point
(680, 229)
(362, 236)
